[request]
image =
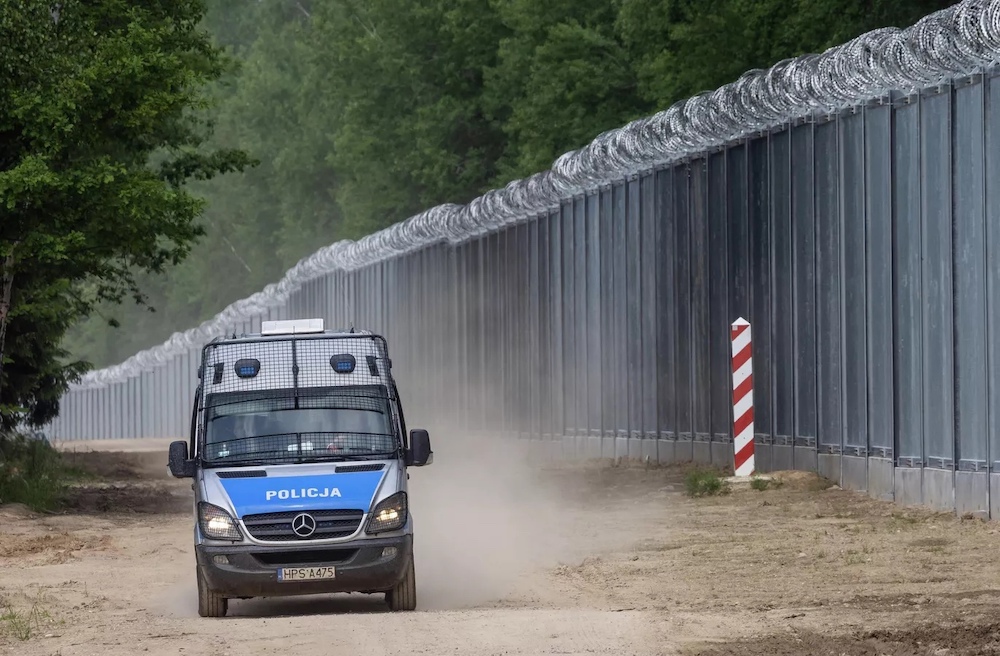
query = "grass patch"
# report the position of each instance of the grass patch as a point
(33, 473)
(761, 484)
(22, 624)
(704, 483)
(852, 557)
(901, 521)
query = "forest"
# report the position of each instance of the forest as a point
(234, 137)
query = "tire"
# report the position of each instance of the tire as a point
(404, 596)
(210, 602)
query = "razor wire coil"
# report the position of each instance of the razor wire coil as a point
(953, 42)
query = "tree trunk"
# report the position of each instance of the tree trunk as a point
(6, 287)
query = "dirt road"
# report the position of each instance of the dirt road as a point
(516, 557)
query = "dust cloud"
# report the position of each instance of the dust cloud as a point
(179, 600)
(484, 515)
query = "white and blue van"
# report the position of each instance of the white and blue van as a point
(299, 455)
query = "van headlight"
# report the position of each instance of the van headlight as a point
(389, 514)
(217, 524)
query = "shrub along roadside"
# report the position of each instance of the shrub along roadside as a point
(32, 472)
(704, 482)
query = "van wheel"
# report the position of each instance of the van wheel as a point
(210, 602)
(404, 595)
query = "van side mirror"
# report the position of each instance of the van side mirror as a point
(420, 448)
(180, 465)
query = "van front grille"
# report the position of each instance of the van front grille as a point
(277, 527)
(312, 557)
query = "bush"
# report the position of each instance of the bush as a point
(759, 484)
(703, 482)
(31, 472)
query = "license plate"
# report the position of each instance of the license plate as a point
(287, 574)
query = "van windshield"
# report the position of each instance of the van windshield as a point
(273, 430)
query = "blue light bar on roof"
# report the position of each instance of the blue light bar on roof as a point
(247, 368)
(343, 363)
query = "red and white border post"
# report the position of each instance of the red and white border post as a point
(742, 398)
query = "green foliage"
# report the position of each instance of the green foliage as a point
(23, 624)
(562, 78)
(98, 137)
(17, 624)
(364, 113)
(39, 369)
(704, 482)
(403, 104)
(31, 472)
(761, 484)
(683, 47)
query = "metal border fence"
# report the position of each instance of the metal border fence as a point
(845, 203)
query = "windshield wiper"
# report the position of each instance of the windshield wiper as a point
(292, 459)
(335, 457)
(237, 462)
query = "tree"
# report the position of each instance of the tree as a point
(562, 77)
(683, 47)
(98, 139)
(400, 88)
(257, 223)
(37, 373)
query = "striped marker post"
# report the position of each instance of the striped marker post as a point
(742, 398)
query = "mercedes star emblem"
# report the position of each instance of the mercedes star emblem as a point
(303, 525)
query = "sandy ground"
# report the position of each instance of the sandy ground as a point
(515, 556)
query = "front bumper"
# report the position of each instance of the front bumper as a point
(252, 570)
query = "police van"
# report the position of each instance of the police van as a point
(299, 454)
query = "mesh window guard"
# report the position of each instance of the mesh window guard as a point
(307, 399)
